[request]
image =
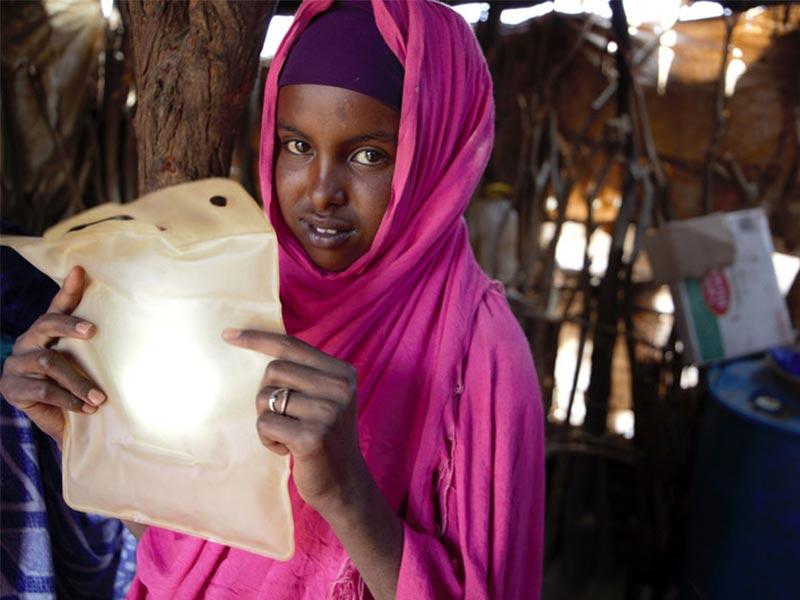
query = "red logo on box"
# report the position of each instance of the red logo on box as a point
(716, 291)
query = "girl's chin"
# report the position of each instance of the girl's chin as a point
(330, 260)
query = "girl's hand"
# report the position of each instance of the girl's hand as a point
(41, 382)
(319, 427)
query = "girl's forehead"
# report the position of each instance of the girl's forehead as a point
(332, 108)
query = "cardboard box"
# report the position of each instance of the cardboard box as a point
(719, 268)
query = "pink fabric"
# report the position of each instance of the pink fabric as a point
(450, 421)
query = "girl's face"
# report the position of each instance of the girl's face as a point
(333, 174)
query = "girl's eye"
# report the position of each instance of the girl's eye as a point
(298, 147)
(369, 157)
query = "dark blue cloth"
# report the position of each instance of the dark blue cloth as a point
(25, 292)
(48, 550)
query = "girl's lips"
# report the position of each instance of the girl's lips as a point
(327, 238)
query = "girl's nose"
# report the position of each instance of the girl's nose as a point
(327, 191)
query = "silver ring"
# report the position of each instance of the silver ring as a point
(282, 395)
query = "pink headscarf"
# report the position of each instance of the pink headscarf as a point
(402, 313)
(406, 314)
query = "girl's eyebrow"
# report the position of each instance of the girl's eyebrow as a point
(287, 127)
(378, 135)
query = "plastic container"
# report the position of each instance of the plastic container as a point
(744, 536)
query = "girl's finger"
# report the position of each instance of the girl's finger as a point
(302, 438)
(54, 365)
(301, 406)
(71, 292)
(309, 381)
(267, 438)
(285, 347)
(51, 326)
(25, 392)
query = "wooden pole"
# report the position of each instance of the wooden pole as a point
(720, 119)
(605, 335)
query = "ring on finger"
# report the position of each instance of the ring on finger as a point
(278, 400)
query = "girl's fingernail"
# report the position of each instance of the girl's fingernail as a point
(96, 397)
(88, 409)
(83, 327)
(230, 334)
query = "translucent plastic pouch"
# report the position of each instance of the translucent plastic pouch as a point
(175, 444)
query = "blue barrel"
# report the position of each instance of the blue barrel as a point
(744, 523)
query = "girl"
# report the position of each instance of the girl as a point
(405, 392)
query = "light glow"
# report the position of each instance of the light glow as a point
(168, 385)
(690, 377)
(700, 10)
(668, 38)
(473, 11)
(665, 57)
(107, 6)
(622, 423)
(569, 7)
(736, 68)
(515, 16)
(571, 244)
(564, 372)
(600, 8)
(662, 13)
(662, 301)
(754, 12)
(786, 269)
(278, 28)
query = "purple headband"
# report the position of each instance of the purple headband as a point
(342, 47)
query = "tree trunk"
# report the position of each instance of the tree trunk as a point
(195, 64)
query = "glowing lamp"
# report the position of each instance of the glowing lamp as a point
(175, 444)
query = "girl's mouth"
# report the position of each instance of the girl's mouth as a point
(327, 235)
